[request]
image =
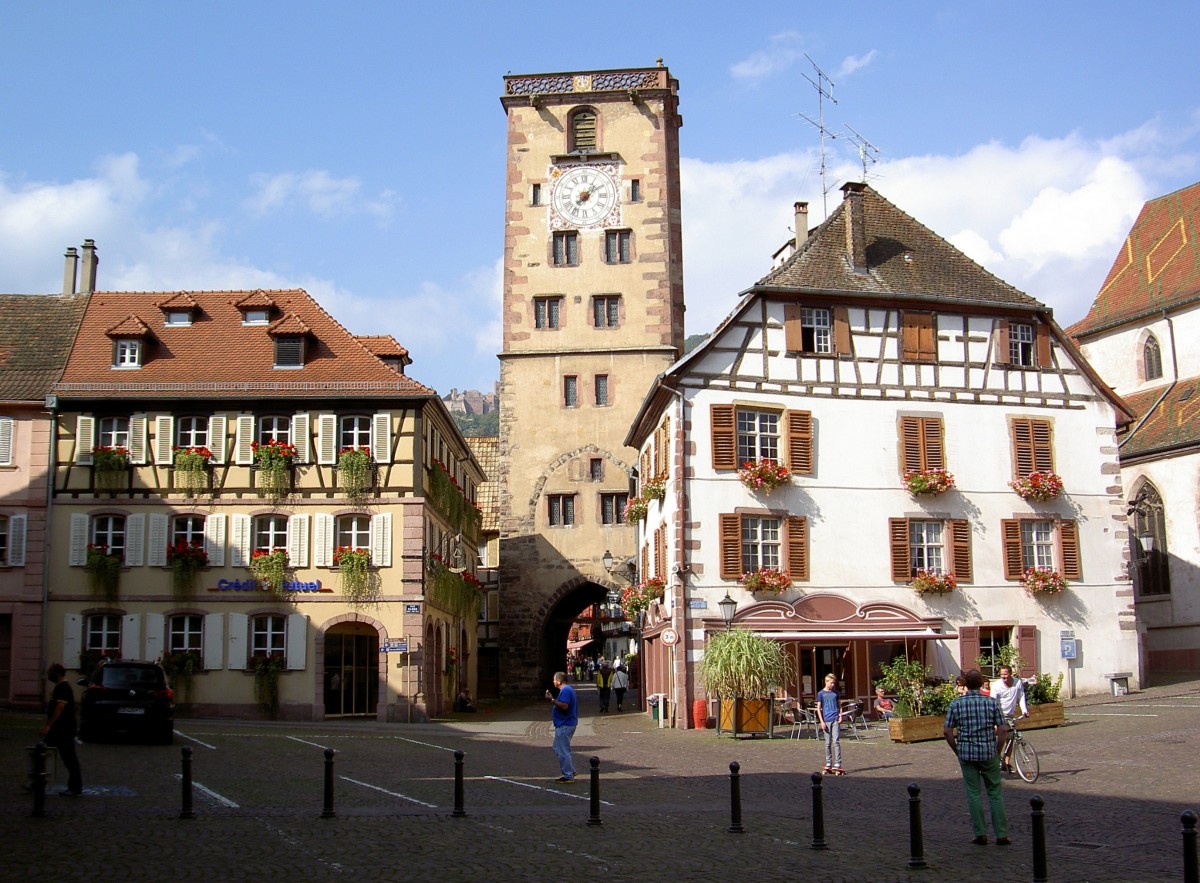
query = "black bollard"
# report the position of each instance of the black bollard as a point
(916, 841)
(818, 841)
(1040, 872)
(39, 780)
(594, 813)
(186, 812)
(459, 812)
(735, 799)
(327, 812)
(1191, 871)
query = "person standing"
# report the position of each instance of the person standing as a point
(620, 683)
(59, 729)
(828, 711)
(565, 717)
(1010, 693)
(604, 686)
(975, 731)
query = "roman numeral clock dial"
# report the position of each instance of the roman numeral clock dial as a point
(584, 196)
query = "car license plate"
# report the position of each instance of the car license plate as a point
(131, 711)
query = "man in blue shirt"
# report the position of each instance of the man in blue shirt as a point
(829, 716)
(565, 717)
(975, 730)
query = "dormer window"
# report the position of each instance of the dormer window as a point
(256, 317)
(178, 310)
(129, 340)
(127, 354)
(178, 318)
(256, 308)
(289, 352)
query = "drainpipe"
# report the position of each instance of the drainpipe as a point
(47, 533)
(680, 571)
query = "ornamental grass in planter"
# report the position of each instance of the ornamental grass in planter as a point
(191, 468)
(185, 560)
(360, 585)
(271, 569)
(274, 461)
(111, 465)
(104, 572)
(355, 473)
(1039, 487)
(266, 669)
(637, 598)
(928, 482)
(744, 669)
(763, 476)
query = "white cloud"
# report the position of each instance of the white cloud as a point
(325, 195)
(853, 63)
(783, 51)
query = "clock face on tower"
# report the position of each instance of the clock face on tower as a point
(585, 196)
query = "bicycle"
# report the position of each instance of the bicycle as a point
(1021, 754)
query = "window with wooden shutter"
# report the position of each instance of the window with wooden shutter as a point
(960, 549)
(1027, 647)
(731, 546)
(1010, 535)
(841, 331)
(1068, 550)
(968, 646)
(724, 436)
(921, 444)
(800, 441)
(660, 551)
(583, 130)
(898, 538)
(1032, 446)
(816, 330)
(796, 543)
(918, 334)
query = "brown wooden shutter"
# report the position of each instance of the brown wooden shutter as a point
(841, 331)
(932, 444)
(1027, 646)
(1003, 356)
(645, 562)
(800, 441)
(796, 543)
(928, 339)
(1043, 445)
(917, 337)
(731, 546)
(1043, 345)
(724, 436)
(644, 469)
(1068, 547)
(901, 556)
(660, 551)
(1022, 446)
(968, 646)
(910, 444)
(1010, 533)
(960, 549)
(793, 339)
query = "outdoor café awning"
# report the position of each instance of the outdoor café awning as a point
(855, 636)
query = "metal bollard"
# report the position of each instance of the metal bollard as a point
(1040, 871)
(459, 812)
(39, 780)
(916, 840)
(818, 841)
(186, 811)
(327, 812)
(735, 799)
(594, 812)
(1191, 870)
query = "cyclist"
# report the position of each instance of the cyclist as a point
(1010, 693)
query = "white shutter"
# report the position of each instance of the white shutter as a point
(79, 540)
(214, 540)
(137, 439)
(243, 454)
(72, 639)
(300, 438)
(297, 641)
(16, 540)
(381, 437)
(156, 556)
(297, 541)
(322, 540)
(239, 542)
(6, 441)
(131, 637)
(327, 437)
(214, 641)
(135, 540)
(164, 439)
(381, 540)
(238, 643)
(85, 439)
(216, 437)
(156, 625)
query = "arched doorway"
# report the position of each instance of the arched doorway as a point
(578, 621)
(351, 670)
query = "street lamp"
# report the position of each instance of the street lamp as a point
(728, 609)
(625, 571)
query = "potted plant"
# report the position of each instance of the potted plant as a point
(274, 461)
(1039, 581)
(110, 463)
(764, 475)
(1038, 486)
(104, 572)
(271, 569)
(917, 701)
(933, 582)
(743, 669)
(191, 468)
(180, 665)
(355, 473)
(359, 585)
(1041, 691)
(655, 487)
(266, 667)
(928, 482)
(769, 580)
(636, 598)
(636, 509)
(185, 559)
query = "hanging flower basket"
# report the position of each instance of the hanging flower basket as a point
(1043, 581)
(266, 669)
(104, 572)
(636, 598)
(271, 569)
(180, 665)
(451, 662)
(763, 476)
(355, 473)
(274, 461)
(185, 559)
(655, 488)
(928, 482)
(1038, 486)
(111, 465)
(931, 582)
(360, 585)
(191, 468)
(767, 579)
(636, 509)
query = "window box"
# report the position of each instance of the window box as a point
(928, 482)
(934, 583)
(355, 473)
(637, 598)
(1043, 581)
(764, 475)
(185, 559)
(110, 463)
(655, 488)
(1038, 487)
(768, 580)
(191, 468)
(271, 569)
(274, 460)
(636, 509)
(104, 572)
(360, 586)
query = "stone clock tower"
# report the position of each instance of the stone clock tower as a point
(593, 312)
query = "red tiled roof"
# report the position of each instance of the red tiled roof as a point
(255, 300)
(1174, 423)
(218, 353)
(289, 325)
(383, 345)
(180, 300)
(486, 450)
(1158, 267)
(36, 331)
(130, 326)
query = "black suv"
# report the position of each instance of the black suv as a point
(127, 697)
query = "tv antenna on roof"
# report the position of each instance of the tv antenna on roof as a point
(823, 92)
(867, 152)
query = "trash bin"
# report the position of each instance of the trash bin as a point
(659, 707)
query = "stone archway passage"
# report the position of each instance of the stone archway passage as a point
(351, 670)
(557, 625)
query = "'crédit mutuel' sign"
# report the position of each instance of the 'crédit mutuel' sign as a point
(253, 585)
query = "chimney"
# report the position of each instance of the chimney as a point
(70, 270)
(856, 225)
(801, 226)
(87, 281)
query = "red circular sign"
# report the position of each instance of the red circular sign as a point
(670, 636)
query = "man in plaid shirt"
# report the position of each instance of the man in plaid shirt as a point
(975, 730)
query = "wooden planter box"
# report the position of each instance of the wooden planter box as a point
(754, 716)
(1048, 714)
(929, 726)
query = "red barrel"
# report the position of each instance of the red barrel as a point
(700, 714)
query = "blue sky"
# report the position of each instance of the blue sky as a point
(357, 149)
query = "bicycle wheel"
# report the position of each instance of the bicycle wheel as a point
(1026, 761)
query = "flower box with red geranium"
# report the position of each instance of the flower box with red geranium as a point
(636, 598)
(271, 569)
(274, 460)
(655, 487)
(355, 472)
(767, 579)
(110, 463)
(1038, 486)
(104, 572)
(359, 584)
(931, 582)
(185, 559)
(191, 467)
(1043, 581)
(636, 509)
(928, 482)
(763, 476)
